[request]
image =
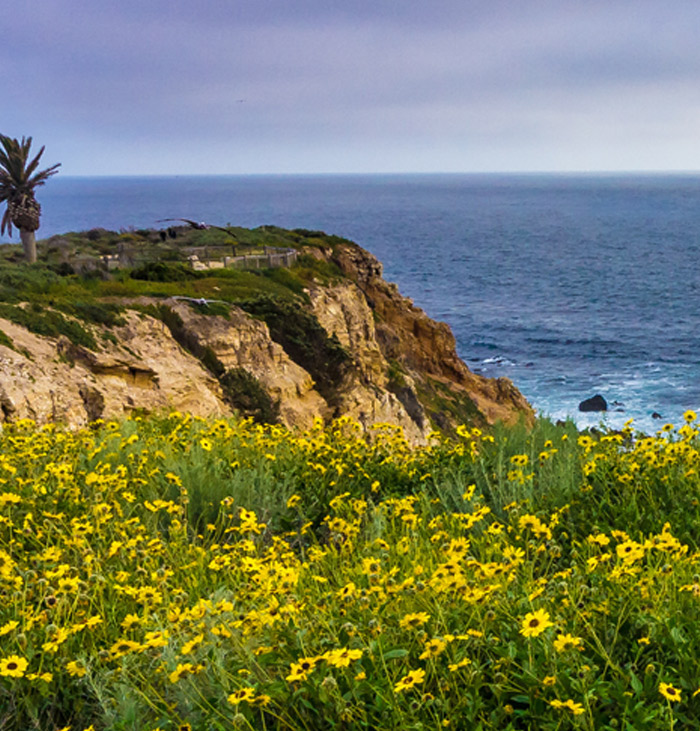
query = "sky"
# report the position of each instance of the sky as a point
(149, 87)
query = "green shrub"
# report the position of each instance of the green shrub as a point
(244, 392)
(22, 281)
(160, 271)
(216, 309)
(48, 323)
(300, 334)
(6, 340)
(100, 313)
(309, 268)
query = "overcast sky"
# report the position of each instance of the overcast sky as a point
(302, 86)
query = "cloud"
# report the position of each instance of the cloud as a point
(158, 86)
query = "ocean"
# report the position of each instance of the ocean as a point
(570, 285)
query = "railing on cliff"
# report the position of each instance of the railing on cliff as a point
(272, 258)
(208, 257)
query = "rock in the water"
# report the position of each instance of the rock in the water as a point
(595, 403)
(656, 415)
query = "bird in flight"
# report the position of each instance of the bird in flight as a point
(201, 226)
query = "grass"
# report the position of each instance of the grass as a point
(94, 296)
(48, 323)
(174, 573)
(69, 277)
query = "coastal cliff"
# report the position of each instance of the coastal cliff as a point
(347, 344)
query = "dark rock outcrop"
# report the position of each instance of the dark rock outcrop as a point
(595, 403)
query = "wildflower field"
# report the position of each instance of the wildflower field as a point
(173, 573)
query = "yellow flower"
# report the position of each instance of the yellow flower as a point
(576, 708)
(293, 501)
(243, 694)
(8, 627)
(414, 677)
(130, 621)
(416, 619)
(549, 681)
(342, 658)
(432, 648)
(668, 691)
(76, 669)
(122, 647)
(630, 551)
(567, 642)
(690, 416)
(205, 444)
(535, 623)
(455, 666)
(181, 671)
(44, 677)
(301, 670)
(189, 646)
(13, 666)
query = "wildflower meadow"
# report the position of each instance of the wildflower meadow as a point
(180, 574)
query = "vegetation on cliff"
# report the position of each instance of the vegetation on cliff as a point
(175, 573)
(85, 284)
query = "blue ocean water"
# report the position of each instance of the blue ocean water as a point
(569, 285)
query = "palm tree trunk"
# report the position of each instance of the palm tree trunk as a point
(29, 245)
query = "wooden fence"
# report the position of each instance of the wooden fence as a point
(272, 258)
(199, 259)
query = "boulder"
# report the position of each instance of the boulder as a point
(595, 403)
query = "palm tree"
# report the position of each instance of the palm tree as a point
(18, 180)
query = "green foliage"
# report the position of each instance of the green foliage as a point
(439, 400)
(19, 282)
(300, 334)
(396, 376)
(310, 269)
(214, 309)
(244, 392)
(98, 313)
(41, 321)
(247, 576)
(6, 340)
(160, 271)
(286, 278)
(241, 389)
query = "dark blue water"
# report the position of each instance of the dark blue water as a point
(568, 285)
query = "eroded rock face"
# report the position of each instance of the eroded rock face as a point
(54, 380)
(342, 310)
(404, 367)
(426, 350)
(243, 342)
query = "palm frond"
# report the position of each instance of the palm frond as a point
(19, 173)
(6, 223)
(18, 179)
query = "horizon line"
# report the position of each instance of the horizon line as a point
(389, 172)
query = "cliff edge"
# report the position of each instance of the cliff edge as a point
(342, 341)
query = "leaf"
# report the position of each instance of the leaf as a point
(636, 683)
(521, 699)
(393, 654)
(678, 636)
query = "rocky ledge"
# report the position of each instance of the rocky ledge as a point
(397, 365)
